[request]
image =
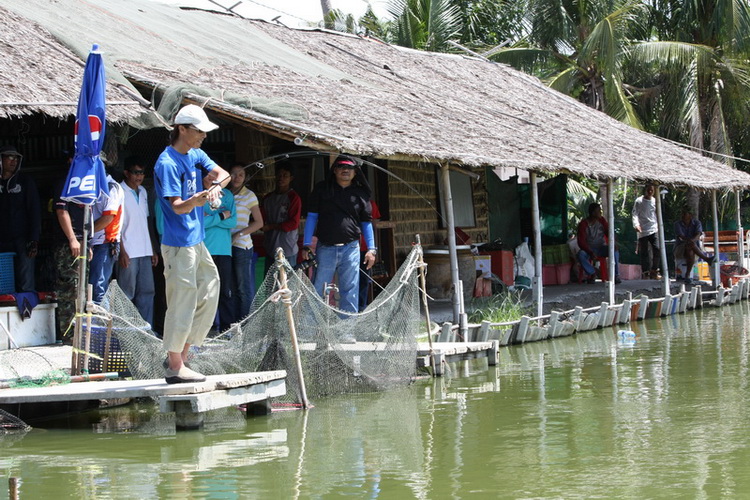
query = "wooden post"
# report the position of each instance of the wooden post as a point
(611, 240)
(292, 330)
(644, 308)
(716, 266)
(107, 347)
(457, 298)
(740, 231)
(13, 488)
(523, 328)
(603, 314)
(423, 284)
(662, 245)
(537, 285)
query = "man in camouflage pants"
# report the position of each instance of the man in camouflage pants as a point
(68, 258)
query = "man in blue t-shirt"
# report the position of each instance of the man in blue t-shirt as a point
(185, 180)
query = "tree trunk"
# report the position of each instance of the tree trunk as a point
(325, 5)
(693, 201)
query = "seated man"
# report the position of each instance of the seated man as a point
(687, 232)
(592, 239)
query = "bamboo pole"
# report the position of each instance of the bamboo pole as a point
(13, 488)
(716, 264)
(87, 332)
(292, 329)
(107, 346)
(537, 285)
(459, 317)
(740, 232)
(662, 244)
(423, 283)
(611, 239)
(75, 368)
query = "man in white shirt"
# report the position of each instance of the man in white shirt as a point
(645, 222)
(137, 256)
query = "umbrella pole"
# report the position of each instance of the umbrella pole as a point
(75, 369)
(292, 330)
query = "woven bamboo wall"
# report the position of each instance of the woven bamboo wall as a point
(419, 213)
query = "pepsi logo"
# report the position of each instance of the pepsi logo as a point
(95, 125)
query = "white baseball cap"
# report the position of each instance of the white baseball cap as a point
(194, 115)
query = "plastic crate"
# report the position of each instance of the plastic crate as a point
(551, 255)
(630, 271)
(563, 273)
(549, 274)
(117, 361)
(7, 278)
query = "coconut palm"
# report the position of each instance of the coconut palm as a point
(699, 66)
(578, 47)
(694, 81)
(424, 24)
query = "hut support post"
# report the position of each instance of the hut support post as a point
(537, 290)
(611, 239)
(740, 231)
(716, 264)
(457, 298)
(662, 245)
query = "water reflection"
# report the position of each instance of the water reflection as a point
(585, 416)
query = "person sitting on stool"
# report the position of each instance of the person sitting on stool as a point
(687, 232)
(592, 238)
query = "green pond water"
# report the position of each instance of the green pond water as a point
(589, 416)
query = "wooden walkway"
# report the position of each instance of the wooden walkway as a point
(451, 352)
(441, 353)
(188, 401)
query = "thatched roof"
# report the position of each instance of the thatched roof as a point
(365, 97)
(38, 75)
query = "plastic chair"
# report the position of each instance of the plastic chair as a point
(603, 270)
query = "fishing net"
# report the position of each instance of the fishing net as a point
(10, 424)
(340, 352)
(28, 368)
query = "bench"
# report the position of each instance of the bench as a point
(728, 242)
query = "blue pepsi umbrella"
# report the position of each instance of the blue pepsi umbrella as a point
(87, 177)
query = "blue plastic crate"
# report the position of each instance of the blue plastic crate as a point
(117, 361)
(7, 278)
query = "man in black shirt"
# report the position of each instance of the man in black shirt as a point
(339, 208)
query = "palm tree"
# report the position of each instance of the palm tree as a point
(325, 6)
(699, 64)
(694, 81)
(424, 24)
(578, 48)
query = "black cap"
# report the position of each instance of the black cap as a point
(9, 151)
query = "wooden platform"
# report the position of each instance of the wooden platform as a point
(451, 352)
(442, 352)
(188, 401)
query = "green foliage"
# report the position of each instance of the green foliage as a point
(581, 193)
(500, 308)
(424, 24)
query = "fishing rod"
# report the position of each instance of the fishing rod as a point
(263, 162)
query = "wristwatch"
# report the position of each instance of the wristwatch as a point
(374, 251)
